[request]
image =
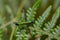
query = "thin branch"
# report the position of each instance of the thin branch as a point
(18, 14)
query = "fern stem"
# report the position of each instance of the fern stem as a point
(18, 12)
(12, 33)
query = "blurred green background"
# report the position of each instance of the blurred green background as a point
(9, 8)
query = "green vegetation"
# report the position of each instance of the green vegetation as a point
(18, 22)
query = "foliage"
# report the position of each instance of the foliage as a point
(28, 26)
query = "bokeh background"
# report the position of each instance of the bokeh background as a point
(9, 8)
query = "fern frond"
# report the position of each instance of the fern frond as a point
(54, 33)
(32, 11)
(51, 24)
(42, 18)
(39, 22)
(22, 35)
